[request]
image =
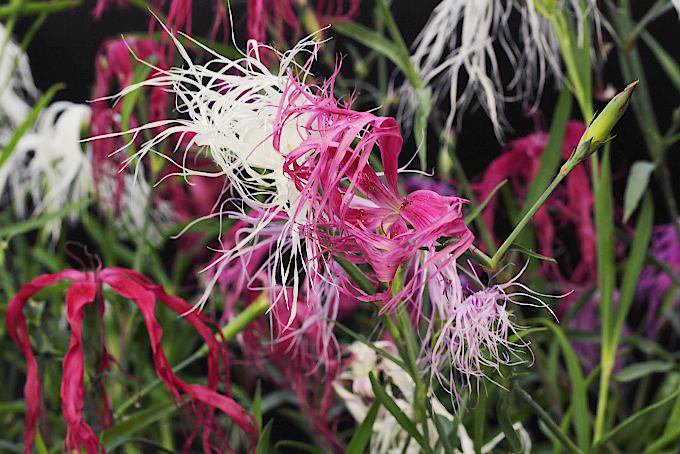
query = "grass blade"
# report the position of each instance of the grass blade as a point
(393, 408)
(362, 434)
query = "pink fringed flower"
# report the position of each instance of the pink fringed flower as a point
(85, 289)
(306, 355)
(388, 231)
(569, 206)
(474, 331)
(281, 17)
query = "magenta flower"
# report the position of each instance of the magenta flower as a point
(85, 289)
(655, 285)
(388, 231)
(114, 68)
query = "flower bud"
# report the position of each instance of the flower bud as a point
(601, 127)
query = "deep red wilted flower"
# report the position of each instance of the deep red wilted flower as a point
(85, 289)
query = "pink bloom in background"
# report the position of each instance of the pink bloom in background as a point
(179, 14)
(85, 289)
(306, 358)
(279, 18)
(570, 206)
(655, 285)
(114, 69)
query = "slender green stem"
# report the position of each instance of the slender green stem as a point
(498, 256)
(660, 8)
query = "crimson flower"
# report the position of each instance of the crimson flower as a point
(85, 289)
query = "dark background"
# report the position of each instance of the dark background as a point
(65, 47)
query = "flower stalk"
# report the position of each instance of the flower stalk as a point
(598, 133)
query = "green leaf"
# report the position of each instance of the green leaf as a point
(629, 421)
(579, 388)
(263, 442)
(637, 183)
(362, 434)
(372, 40)
(124, 429)
(531, 253)
(298, 446)
(636, 259)
(550, 425)
(667, 62)
(257, 404)
(393, 408)
(34, 224)
(505, 422)
(361, 338)
(480, 207)
(38, 7)
(606, 273)
(639, 370)
(28, 122)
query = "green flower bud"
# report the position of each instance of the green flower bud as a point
(601, 127)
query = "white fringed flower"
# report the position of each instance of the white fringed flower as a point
(137, 213)
(49, 164)
(354, 388)
(16, 85)
(456, 53)
(231, 109)
(388, 436)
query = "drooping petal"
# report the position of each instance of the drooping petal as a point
(139, 290)
(16, 327)
(79, 434)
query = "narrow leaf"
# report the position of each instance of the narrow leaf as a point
(531, 253)
(504, 421)
(579, 388)
(552, 427)
(124, 429)
(637, 183)
(298, 446)
(372, 40)
(480, 207)
(667, 62)
(34, 224)
(362, 434)
(629, 421)
(393, 408)
(263, 442)
(638, 370)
